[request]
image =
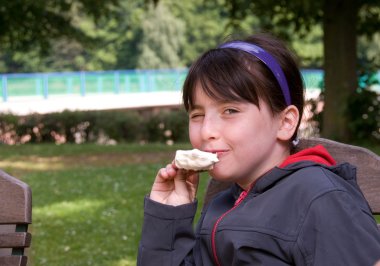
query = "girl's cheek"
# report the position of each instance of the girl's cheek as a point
(194, 136)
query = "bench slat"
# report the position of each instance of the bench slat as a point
(15, 216)
(15, 240)
(13, 261)
(367, 163)
(16, 200)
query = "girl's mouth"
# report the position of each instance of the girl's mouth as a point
(219, 153)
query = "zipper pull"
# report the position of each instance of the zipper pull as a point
(242, 196)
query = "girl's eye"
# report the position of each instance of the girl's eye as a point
(195, 115)
(230, 111)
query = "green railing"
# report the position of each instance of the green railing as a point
(119, 81)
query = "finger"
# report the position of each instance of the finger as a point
(162, 174)
(166, 173)
(174, 165)
(161, 177)
(171, 171)
(162, 183)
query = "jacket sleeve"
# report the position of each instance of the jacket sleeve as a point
(167, 234)
(337, 230)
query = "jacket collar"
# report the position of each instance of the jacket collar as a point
(315, 156)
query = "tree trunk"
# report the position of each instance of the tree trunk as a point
(339, 25)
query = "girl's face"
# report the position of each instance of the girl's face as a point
(243, 136)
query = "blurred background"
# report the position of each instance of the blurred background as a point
(91, 101)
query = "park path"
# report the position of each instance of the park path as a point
(57, 103)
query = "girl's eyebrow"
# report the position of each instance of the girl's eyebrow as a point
(195, 107)
(229, 102)
(217, 102)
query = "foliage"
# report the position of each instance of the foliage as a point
(309, 48)
(125, 36)
(119, 126)
(168, 126)
(126, 39)
(162, 39)
(106, 127)
(8, 133)
(34, 23)
(95, 50)
(287, 18)
(205, 25)
(369, 52)
(363, 110)
(364, 116)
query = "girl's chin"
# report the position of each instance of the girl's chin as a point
(219, 176)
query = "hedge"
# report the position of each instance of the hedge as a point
(165, 125)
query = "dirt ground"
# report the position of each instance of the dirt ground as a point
(26, 164)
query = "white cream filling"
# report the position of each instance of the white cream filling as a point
(195, 160)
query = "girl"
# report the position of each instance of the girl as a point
(245, 102)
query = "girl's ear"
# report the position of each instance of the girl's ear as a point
(288, 123)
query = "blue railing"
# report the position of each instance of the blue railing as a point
(98, 82)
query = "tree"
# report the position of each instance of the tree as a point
(29, 23)
(162, 40)
(342, 22)
(84, 41)
(204, 25)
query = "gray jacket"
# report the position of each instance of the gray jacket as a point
(303, 214)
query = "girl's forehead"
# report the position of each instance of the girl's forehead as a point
(202, 97)
(220, 94)
(201, 94)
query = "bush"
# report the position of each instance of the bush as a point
(363, 114)
(96, 126)
(8, 129)
(119, 126)
(168, 126)
(362, 111)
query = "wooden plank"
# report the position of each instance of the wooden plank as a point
(13, 261)
(15, 240)
(16, 200)
(7, 228)
(367, 163)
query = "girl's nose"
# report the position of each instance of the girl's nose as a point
(210, 128)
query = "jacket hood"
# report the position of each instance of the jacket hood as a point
(317, 154)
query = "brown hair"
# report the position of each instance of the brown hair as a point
(235, 75)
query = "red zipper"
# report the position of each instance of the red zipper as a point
(242, 196)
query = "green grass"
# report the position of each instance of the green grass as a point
(88, 199)
(87, 211)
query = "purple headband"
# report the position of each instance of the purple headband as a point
(267, 59)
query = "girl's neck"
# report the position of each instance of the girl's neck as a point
(282, 153)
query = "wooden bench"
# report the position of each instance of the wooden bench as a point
(367, 163)
(15, 216)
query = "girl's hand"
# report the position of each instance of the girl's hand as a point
(174, 186)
